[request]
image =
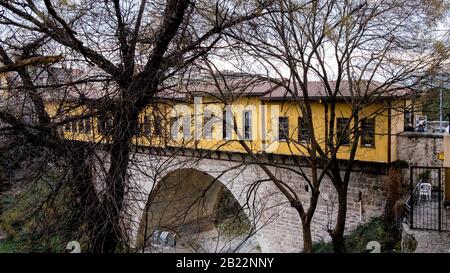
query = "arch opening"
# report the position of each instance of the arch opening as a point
(191, 211)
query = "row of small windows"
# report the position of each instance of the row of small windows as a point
(80, 126)
(85, 126)
(105, 124)
(343, 131)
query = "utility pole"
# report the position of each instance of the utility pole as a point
(440, 110)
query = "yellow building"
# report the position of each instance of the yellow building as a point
(264, 115)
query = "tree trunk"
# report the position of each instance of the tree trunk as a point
(307, 238)
(108, 233)
(85, 200)
(337, 234)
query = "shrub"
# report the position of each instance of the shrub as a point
(395, 191)
(356, 241)
(37, 218)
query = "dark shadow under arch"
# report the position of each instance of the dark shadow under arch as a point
(190, 204)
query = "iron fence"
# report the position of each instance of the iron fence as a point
(425, 206)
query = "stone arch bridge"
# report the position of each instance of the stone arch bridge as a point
(186, 187)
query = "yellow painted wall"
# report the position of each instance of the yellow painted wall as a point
(377, 153)
(263, 139)
(60, 112)
(293, 112)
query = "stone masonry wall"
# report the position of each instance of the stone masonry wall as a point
(278, 224)
(420, 149)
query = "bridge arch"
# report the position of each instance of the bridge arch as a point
(202, 212)
(274, 222)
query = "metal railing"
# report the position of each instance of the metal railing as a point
(426, 211)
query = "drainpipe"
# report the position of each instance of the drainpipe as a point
(325, 105)
(263, 113)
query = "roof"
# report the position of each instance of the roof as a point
(276, 90)
(318, 90)
(220, 88)
(223, 87)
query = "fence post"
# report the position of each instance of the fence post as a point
(412, 195)
(440, 199)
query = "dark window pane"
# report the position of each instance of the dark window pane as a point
(227, 124)
(409, 126)
(101, 125)
(303, 132)
(146, 126)
(368, 132)
(283, 128)
(105, 124)
(247, 125)
(81, 126)
(74, 127)
(342, 131)
(158, 124)
(224, 125)
(87, 125)
(67, 127)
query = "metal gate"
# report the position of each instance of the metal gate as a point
(425, 204)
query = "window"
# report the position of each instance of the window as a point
(226, 132)
(146, 126)
(368, 132)
(283, 128)
(174, 127)
(74, 127)
(87, 125)
(105, 124)
(409, 126)
(158, 129)
(208, 124)
(180, 125)
(247, 126)
(342, 131)
(157, 125)
(101, 125)
(303, 132)
(81, 127)
(67, 127)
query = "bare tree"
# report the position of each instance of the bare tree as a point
(136, 47)
(355, 52)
